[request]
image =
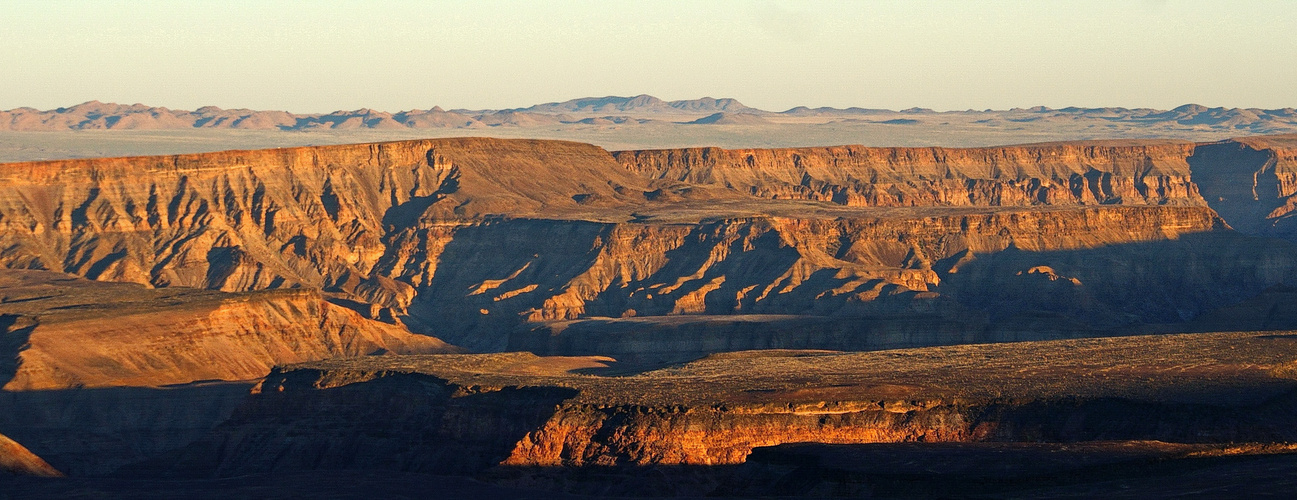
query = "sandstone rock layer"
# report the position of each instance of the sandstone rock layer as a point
(473, 240)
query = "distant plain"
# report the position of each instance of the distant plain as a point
(111, 130)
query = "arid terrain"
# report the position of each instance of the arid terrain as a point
(95, 129)
(527, 317)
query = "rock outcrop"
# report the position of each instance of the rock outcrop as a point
(1251, 182)
(64, 332)
(467, 239)
(1047, 174)
(17, 460)
(408, 413)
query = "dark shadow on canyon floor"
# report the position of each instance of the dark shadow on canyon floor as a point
(903, 470)
(95, 431)
(404, 422)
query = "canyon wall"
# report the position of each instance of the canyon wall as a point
(549, 271)
(243, 220)
(1046, 174)
(474, 240)
(94, 431)
(222, 266)
(1251, 182)
(347, 417)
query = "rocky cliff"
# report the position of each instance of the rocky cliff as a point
(548, 271)
(94, 431)
(468, 239)
(1251, 182)
(515, 410)
(1047, 174)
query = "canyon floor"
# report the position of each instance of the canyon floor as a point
(550, 319)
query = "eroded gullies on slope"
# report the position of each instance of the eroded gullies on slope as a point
(468, 239)
(71, 333)
(652, 258)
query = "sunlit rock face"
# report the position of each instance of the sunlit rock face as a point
(470, 413)
(65, 332)
(482, 242)
(1048, 174)
(18, 460)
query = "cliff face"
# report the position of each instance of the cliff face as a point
(304, 419)
(243, 220)
(587, 436)
(1251, 182)
(470, 413)
(1052, 174)
(493, 274)
(469, 238)
(94, 431)
(359, 419)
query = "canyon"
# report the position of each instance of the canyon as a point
(488, 244)
(547, 315)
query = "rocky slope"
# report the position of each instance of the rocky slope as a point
(521, 411)
(65, 332)
(15, 459)
(467, 239)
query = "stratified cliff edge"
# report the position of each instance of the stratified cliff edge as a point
(483, 241)
(465, 413)
(1044, 174)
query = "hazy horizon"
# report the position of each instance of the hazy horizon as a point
(461, 108)
(399, 55)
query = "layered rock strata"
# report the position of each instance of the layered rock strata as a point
(523, 411)
(1046, 174)
(467, 239)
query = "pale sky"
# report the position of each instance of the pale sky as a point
(321, 56)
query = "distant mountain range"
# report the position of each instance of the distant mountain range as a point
(640, 104)
(610, 110)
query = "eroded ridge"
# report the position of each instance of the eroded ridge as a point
(468, 239)
(559, 411)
